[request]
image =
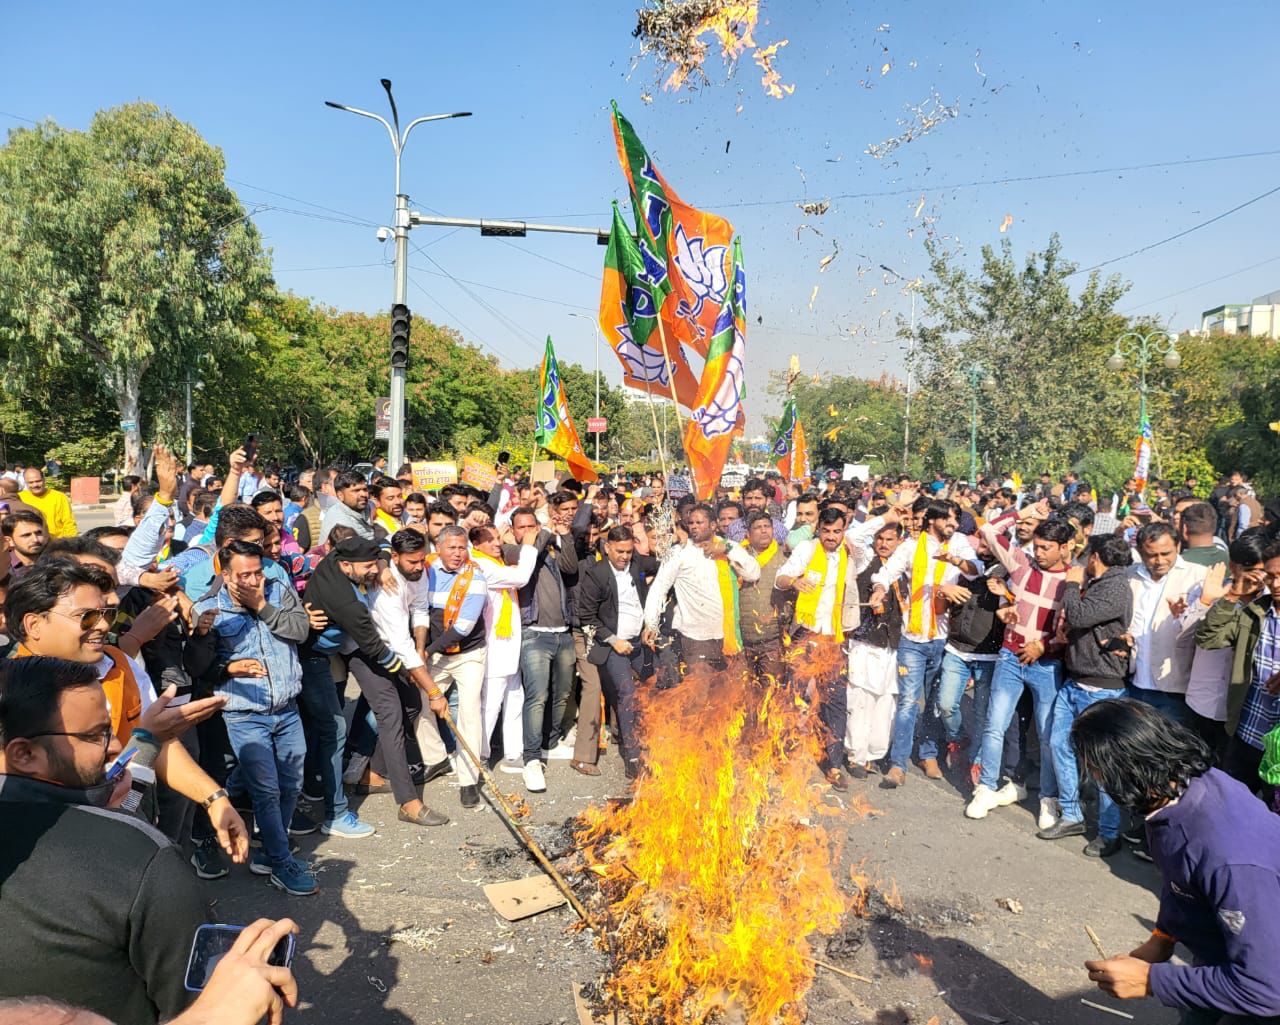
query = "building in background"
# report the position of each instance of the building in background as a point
(1258, 319)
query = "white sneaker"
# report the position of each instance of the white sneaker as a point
(1049, 812)
(534, 781)
(511, 766)
(984, 800)
(562, 752)
(1010, 793)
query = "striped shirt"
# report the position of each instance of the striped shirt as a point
(1261, 711)
(1037, 593)
(469, 625)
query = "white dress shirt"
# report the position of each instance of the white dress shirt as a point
(696, 579)
(503, 657)
(900, 563)
(797, 565)
(395, 615)
(630, 611)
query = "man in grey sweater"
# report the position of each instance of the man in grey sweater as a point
(1095, 618)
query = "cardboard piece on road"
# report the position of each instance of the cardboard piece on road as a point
(523, 898)
(430, 476)
(541, 471)
(478, 473)
(585, 1017)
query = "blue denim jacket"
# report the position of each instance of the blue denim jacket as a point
(271, 636)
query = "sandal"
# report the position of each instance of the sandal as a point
(586, 768)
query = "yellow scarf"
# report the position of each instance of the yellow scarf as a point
(807, 601)
(388, 522)
(729, 602)
(919, 573)
(763, 557)
(503, 627)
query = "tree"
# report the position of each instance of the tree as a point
(122, 246)
(849, 419)
(1045, 347)
(1251, 444)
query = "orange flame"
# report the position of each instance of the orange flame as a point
(718, 870)
(733, 24)
(924, 962)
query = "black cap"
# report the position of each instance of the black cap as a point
(356, 549)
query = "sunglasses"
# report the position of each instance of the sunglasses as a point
(89, 617)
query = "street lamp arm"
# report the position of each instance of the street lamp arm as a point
(395, 143)
(429, 117)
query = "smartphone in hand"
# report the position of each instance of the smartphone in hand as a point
(211, 944)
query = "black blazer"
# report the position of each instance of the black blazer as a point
(598, 599)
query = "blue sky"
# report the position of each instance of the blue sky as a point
(1041, 88)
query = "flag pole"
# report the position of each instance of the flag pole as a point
(671, 382)
(660, 441)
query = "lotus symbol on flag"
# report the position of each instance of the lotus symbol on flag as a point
(720, 415)
(702, 270)
(643, 362)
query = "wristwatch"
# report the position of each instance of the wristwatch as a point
(217, 795)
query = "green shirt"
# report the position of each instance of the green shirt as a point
(1208, 555)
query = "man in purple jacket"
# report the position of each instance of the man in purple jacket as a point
(1218, 848)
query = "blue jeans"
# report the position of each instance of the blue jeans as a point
(1042, 678)
(982, 673)
(327, 733)
(1174, 706)
(956, 671)
(270, 749)
(919, 664)
(1071, 701)
(546, 668)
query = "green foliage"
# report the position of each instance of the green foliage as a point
(88, 457)
(1249, 444)
(1106, 470)
(1044, 346)
(848, 419)
(121, 249)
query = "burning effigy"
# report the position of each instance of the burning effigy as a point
(713, 877)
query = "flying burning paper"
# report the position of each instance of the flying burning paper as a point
(1006, 224)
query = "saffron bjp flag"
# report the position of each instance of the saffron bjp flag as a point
(1142, 455)
(554, 430)
(790, 451)
(685, 250)
(718, 414)
(799, 468)
(630, 305)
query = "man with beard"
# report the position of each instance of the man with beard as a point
(760, 605)
(342, 588)
(114, 939)
(351, 508)
(388, 510)
(25, 537)
(756, 494)
(934, 561)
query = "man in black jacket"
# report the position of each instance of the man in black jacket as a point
(1096, 617)
(99, 909)
(611, 599)
(340, 589)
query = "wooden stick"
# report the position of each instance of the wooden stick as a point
(659, 441)
(839, 971)
(1097, 943)
(528, 841)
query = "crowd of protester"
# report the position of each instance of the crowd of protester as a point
(189, 665)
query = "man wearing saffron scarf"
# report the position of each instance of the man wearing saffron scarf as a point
(457, 593)
(934, 560)
(704, 572)
(759, 603)
(503, 693)
(819, 571)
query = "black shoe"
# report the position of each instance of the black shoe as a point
(1135, 835)
(430, 772)
(301, 825)
(1061, 830)
(470, 796)
(208, 860)
(1102, 847)
(858, 771)
(1142, 854)
(835, 779)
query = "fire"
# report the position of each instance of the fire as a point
(714, 876)
(674, 31)
(924, 962)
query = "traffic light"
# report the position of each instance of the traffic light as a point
(400, 336)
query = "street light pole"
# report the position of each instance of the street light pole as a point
(596, 324)
(979, 380)
(1143, 349)
(395, 442)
